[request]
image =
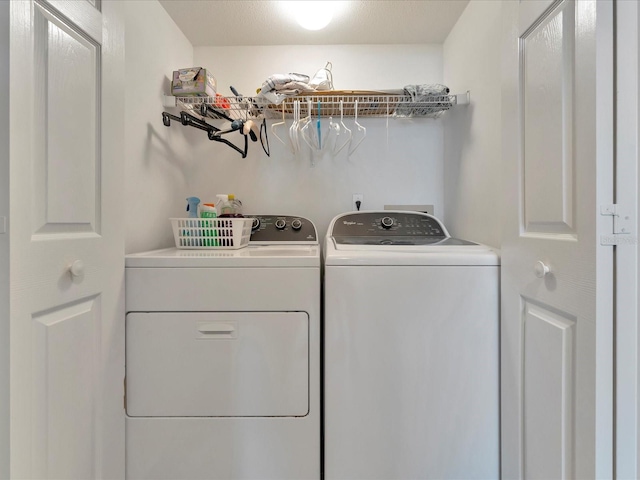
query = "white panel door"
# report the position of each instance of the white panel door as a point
(557, 316)
(66, 240)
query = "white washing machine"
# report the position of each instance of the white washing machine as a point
(411, 365)
(223, 358)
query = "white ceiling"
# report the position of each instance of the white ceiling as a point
(358, 22)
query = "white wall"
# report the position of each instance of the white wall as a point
(4, 240)
(472, 138)
(158, 161)
(394, 165)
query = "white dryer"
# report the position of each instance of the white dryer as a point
(223, 358)
(411, 351)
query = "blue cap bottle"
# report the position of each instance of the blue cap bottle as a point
(192, 206)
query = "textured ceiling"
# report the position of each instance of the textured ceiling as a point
(268, 22)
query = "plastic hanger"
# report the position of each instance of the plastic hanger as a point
(264, 139)
(319, 126)
(208, 111)
(338, 147)
(274, 126)
(213, 133)
(322, 137)
(293, 129)
(306, 132)
(333, 132)
(360, 128)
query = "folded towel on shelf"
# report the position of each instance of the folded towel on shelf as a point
(281, 81)
(424, 100)
(280, 86)
(419, 92)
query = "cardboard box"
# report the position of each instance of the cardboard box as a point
(193, 82)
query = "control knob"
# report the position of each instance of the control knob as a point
(387, 222)
(280, 224)
(296, 224)
(255, 225)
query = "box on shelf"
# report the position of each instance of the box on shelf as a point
(193, 82)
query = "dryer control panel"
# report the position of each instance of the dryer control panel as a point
(287, 229)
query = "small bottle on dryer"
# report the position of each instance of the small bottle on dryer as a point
(232, 208)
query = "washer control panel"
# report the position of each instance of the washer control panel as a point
(274, 229)
(390, 228)
(388, 223)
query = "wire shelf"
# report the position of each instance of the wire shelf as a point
(327, 104)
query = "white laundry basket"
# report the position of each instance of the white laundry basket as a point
(211, 233)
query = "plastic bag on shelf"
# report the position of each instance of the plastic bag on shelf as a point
(280, 86)
(323, 78)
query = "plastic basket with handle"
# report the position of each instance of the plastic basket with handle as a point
(211, 233)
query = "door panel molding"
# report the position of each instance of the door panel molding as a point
(66, 346)
(549, 390)
(547, 56)
(67, 158)
(532, 11)
(82, 14)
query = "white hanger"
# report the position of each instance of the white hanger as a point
(289, 145)
(293, 129)
(308, 135)
(338, 148)
(332, 135)
(361, 129)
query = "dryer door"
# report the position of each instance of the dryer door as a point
(217, 364)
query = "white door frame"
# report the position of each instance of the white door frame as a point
(605, 305)
(4, 239)
(627, 268)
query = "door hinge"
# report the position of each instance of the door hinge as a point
(622, 225)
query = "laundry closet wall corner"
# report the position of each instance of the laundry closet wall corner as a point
(157, 158)
(472, 135)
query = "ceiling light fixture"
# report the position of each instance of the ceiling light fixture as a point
(313, 15)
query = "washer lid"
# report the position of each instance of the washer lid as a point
(410, 255)
(267, 256)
